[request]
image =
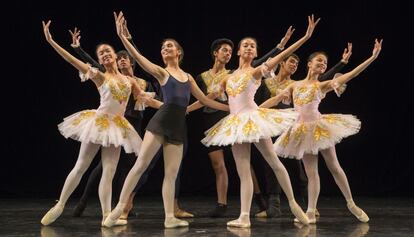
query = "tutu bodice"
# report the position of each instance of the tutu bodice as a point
(246, 122)
(313, 131)
(241, 89)
(306, 100)
(114, 96)
(106, 125)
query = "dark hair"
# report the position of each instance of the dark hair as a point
(216, 45)
(124, 54)
(316, 54)
(103, 43)
(248, 37)
(180, 58)
(293, 55)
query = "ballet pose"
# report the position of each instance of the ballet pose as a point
(314, 132)
(248, 124)
(167, 127)
(104, 128)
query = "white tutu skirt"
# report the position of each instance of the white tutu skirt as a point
(250, 126)
(101, 128)
(311, 137)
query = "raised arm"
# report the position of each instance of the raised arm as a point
(328, 85)
(338, 67)
(80, 52)
(156, 71)
(276, 50)
(199, 95)
(128, 35)
(81, 66)
(272, 62)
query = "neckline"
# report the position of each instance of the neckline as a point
(170, 75)
(183, 82)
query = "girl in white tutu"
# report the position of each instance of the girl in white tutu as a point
(313, 132)
(248, 124)
(104, 127)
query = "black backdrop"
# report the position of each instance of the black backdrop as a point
(41, 88)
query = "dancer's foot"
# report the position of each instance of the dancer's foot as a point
(242, 222)
(126, 211)
(273, 208)
(238, 223)
(311, 217)
(52, 214)
(179, 213)
(218, 211)
(299, 214)
(358, 212)
(260, 201)
(172, 222)
(113, 217)
(118, 222)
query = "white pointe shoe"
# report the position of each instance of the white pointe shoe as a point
(354, 209)
(311, 220)
(173, 222)
(109, 222)
(52, 214)
(238, 224)
(118, 222)
(299, 214)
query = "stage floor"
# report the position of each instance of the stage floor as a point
(389, 217)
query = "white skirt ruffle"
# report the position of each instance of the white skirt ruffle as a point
(311, 137)
(101, 128)
(249, 126)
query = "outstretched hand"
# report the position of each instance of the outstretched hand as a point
(75, 37)
(311, 25)
(347, 53)
(46, 31)
(287, 36)
(126, 31)
(377, 48)
(120, 24)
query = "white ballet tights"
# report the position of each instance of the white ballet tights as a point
(110, 158)
(172, 160)
(109, 164)
(311, 167)
(241, 153)
(266, 149)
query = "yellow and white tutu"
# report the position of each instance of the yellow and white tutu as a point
(311, 137)
(101, 128)
(249, 126)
